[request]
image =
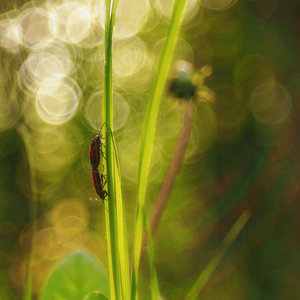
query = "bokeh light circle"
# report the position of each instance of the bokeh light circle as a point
(79, 24)
(93, 111)
(46, 245)
(203, 133)
(190, 10)
(270, 103)
(168, 129)
(68, 207)
(43, 66)
(126, 25)
(183, 52)
(34, 23)
(154, 17)
(51, 61)
(128, 56)
(257, 10)
(140, 81)
(60, 154)
(11, 34)
(57, 101)
(218, 4)
(230, 107)
(46, 139)
(251, 70)
(95, 36)
(128, 150)
(71, 232)
(71, 22)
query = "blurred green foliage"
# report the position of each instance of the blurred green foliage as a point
(243, 152)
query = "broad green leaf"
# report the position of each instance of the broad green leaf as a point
(95, 296)
(76, 276)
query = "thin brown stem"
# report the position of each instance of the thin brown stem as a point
(167, 186)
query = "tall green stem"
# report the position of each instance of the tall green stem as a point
(108, 118)
(148, 131)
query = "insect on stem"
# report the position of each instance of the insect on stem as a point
(99, 180)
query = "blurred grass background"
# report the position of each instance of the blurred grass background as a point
(243, 152)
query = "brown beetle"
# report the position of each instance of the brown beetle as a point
(95, 149)
(99, 183)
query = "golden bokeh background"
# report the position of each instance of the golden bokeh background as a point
(243, 152)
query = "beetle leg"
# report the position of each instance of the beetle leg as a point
(102, 153)
(102, 165)
(102, 178)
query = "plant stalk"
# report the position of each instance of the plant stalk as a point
(172, 172)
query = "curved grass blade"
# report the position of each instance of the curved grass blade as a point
(154, 284)
(109, 253)
(215, 261)
(122, 228)
(149, 130)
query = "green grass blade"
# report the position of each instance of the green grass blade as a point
(122, 228)
(111, 7)
(123, 243)
(109, 253)
(114, 10)
(215, 261)
(154, 283)
(149, 130)
(116, 157)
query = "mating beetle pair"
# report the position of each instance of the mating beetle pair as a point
(94, 154)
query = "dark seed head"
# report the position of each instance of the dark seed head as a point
(182, 88)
